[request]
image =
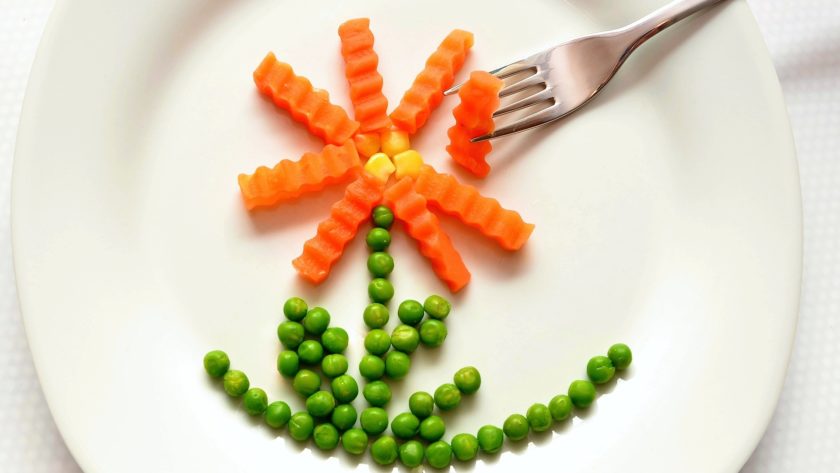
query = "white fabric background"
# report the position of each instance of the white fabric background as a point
(804, 40)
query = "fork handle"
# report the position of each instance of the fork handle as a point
(647, 27)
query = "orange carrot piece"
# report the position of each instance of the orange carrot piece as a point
(427, 90)
(474, 117)
(504, 226)
(370, 107)
(289, 179)
(327, 246)
(306, 104)
(410, 208)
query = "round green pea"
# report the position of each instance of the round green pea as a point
(288, 363)
(377, 342)
(320, 404)
(560, 407)
(582, 393)
(490, 439)
(216, 363)
(374, 420)
(405, 338)
(447, 397)
(437, 307)
(378, 239)
(306, 382)
(382, 217)
(432, 428)
(255, 401)
(465, 447)
(325, 436)
(290, 334)
(432, 333)
(344, 388)
(620, 355)
(410, 312)
(372, 367)
(335, 339)
(384, 450)
(516, 427)
(405, 425)
(295, 309)
(376, 315)
(397, 364)
(539, 417)
(354, 441)
(334, 365)
(316, 321)
(421, 404)
(380, 290)
(235, 383)
(310, 352)
(439, 454)
(380, 264)
(600, 369)
(301, 425)
(411, 454)
(377, 393)
(344, 416)
(277, 414)
(467, 379)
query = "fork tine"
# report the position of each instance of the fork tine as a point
(530, 81)
(501, 73)
(540, 96)
(543, 116)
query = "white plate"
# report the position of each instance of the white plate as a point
(667, 212)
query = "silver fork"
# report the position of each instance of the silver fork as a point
(571, 73)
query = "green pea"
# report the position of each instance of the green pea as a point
(335, 339)
(447, 397)
(235, 383)
(377, 393)
(377, 342)
(380, 290)
(380, 264)
(582, 393)
(288, 363)
(316, 321)
(421, 404)
(397, 364)
(325, 436)
(490, 439)
(376, 315)
(334, 365)
(354, 441)
(374, 420)
(277, 414)
(600, 369)
(411, 454)
(255, 401)
(539, 417)
(382, 216)
(320, 404)
(516, 427)
(378, 239)
(405, 425)
(432, 333)
(384, 450)
(439, 454)
(344, 388)
(560, 407)
(465, 447)
(290, 334)
(216, 363)
(432, 428)
(344, 416)
(295, 309)
(410, 312)
(405, 338)
(467, 379)
(437, 307)
(372, 367)
(310, 352)
(301, 425)
(306, 382)
(620, 355)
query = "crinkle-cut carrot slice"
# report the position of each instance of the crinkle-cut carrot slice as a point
(427, 90)
(306, 104)
(410, 208)
(504, 226)
(474, 117)
(289, 179)
(370, 107)
(327, 246)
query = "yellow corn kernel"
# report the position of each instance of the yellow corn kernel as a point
(380, 166)
(367, 144)
(408, 163)
(394, 142)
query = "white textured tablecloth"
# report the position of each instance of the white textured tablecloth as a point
(804, 40)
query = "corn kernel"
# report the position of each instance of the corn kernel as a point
(394, 142)
(367, 143)
(380, 166)
(408, 163)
